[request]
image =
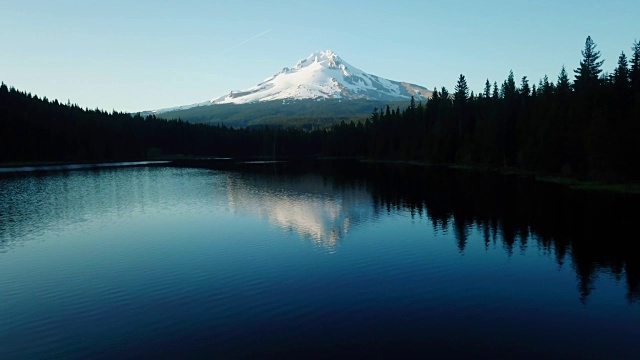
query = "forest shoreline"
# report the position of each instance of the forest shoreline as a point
(567, 181)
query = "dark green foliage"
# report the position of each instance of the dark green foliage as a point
(634, 71)
(494, 93)
(621, 75)
(461, 94)
(524, 87)
(33, 129)
(509, 86)
(563, 87)
(588, 133)
(587, 75)
(487, 89)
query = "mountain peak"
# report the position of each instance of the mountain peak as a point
(325, 55)
(323, 75)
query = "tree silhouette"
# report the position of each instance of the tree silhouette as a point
(587, 74)
(461, 93)
(563, 86)
(487, 89)
(634, 72)
(620, 76)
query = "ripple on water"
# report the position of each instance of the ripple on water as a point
(156, 262)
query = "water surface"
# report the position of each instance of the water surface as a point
(272, 261)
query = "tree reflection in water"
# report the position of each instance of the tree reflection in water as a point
(590, 229)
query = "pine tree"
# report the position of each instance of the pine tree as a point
(634, 72)
(545, 86)
(444, 93)
(461, 94)
(563, 87)
(375, 115)
(587, 75)
(487, 89)
(510, 86)
(434, 96)
(620, 75)
(524, 87)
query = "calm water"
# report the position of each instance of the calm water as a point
(271, 261)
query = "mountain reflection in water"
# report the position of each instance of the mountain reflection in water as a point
(589, 230)
(327, 259)
(307, 204)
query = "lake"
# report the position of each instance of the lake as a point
(323, 260)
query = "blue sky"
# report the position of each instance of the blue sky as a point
(133, 55)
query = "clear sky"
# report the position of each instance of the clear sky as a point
(133, 55)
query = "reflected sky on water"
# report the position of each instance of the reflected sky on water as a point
(275, 261)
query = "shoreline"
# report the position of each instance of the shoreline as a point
(18, 167)
(569, 182)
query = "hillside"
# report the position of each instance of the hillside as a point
(307, 114)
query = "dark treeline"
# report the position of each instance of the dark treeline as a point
(34, 129)
(585, 128)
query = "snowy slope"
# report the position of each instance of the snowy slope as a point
(325, 75)
(176, 108)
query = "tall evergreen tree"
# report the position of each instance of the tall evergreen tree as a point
(461, 94)
(444, 93)
(434, 96)
(563, 87)
(510, 89)
(588, 73)
(375, 115)
(524, 87)
(634, 72)
(545, 86)
(620, 75)
(487, 89)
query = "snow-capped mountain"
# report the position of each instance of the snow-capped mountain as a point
(324, 75)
